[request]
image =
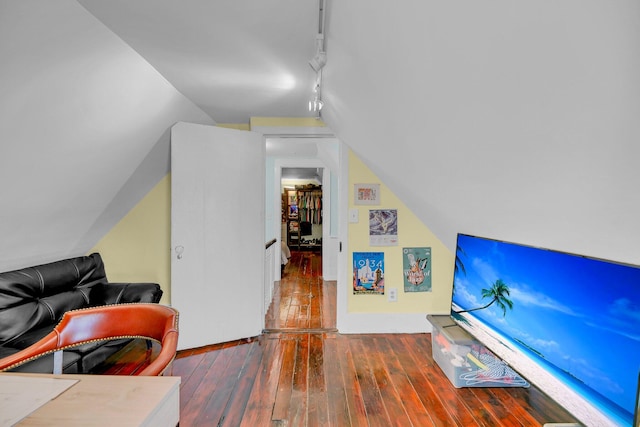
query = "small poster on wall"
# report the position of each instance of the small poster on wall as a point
(383, 227)
(368, 273)
(366, 194)
(293, 211)
(417, 269)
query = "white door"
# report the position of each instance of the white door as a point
(217, 233)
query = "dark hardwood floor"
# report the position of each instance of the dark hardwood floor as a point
(301, 372)
(302, 300)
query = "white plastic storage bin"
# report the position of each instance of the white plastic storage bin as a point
(465, 361)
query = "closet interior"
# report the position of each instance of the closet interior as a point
(302, 217)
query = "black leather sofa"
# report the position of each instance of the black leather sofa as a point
(33, 300)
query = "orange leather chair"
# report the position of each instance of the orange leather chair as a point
(140, 320)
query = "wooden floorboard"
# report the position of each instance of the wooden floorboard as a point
(301, 372)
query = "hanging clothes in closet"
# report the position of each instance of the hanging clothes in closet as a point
(310, 206)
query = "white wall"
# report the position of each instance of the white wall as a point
(84, 122)
(512, 120)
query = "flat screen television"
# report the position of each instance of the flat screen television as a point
(570, 324)
(636, 415)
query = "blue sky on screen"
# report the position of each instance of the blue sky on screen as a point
(580, 313)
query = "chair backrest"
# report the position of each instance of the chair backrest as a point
(149, 321)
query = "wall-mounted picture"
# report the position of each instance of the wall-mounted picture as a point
(366, 194)
(417, 269)
(293, 211)
(383, 227)
(293, 197)
(368, 273)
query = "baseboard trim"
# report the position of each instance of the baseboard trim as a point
(384, 323)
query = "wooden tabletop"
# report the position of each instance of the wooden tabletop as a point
(108, 400)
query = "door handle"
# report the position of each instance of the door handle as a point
(179, 251)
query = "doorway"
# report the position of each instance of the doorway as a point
(328, 234)
(319, 155)
(303, 300)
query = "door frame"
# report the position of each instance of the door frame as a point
(339, 167)
(326, 205)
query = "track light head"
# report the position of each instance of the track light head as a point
(318, 61)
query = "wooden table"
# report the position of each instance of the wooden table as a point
(108, 400)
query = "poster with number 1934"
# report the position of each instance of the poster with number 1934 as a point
(368, 273)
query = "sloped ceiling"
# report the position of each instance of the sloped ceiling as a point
(80, 112)
(513, 120)
(509, 120)
(234, 59)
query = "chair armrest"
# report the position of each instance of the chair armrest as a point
(119, 293)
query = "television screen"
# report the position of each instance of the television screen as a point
(636, 415)
(568, 323)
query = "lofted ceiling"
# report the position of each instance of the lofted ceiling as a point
(496, 118)
(233, 58)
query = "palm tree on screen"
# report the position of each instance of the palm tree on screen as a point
(498, 292)
(459, 265)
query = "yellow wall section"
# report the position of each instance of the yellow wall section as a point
(236, 126)
(138, 248)
(286, 121)
(411, 233)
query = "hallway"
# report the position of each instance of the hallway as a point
(302, 301)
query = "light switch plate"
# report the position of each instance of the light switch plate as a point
(354, 215)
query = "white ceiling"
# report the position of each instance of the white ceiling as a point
(503, 119)
(233, 58)
(441, 100)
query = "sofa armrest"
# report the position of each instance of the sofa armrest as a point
(119, 293)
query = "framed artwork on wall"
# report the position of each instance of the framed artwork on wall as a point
(383, 227)
(366, 194)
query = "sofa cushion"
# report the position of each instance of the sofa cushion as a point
(119, 293)
(28, 338)
(34, 297)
